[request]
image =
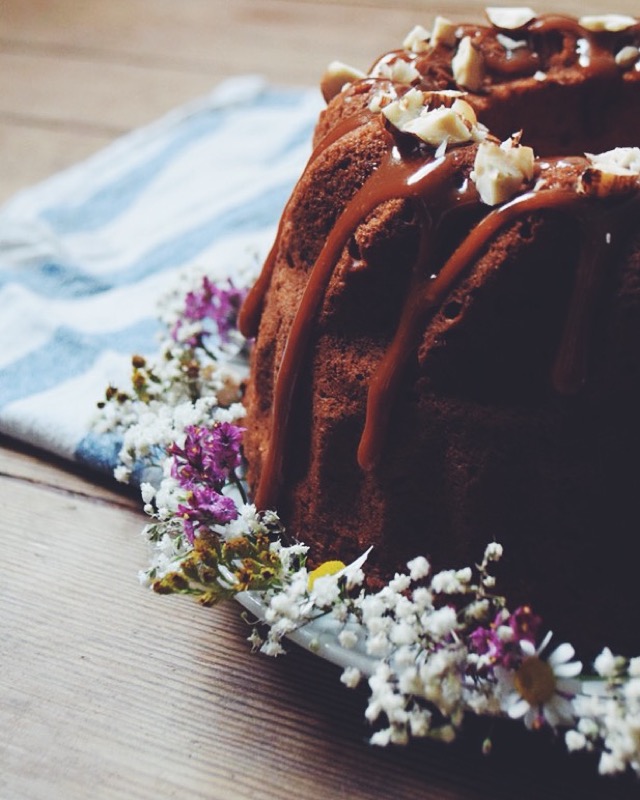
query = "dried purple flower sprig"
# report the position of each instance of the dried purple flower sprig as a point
(436, 647)
(191, 382)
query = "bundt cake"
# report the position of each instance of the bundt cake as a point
(447, 329)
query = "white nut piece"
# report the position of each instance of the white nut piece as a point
(614, 172)
(440, 125)
(437, 118)
(607, 22)
(510, 19)
(627, 56)
(408, 107)
(336, 77)
(499, 171)
(464, 110)
(417, 40)
(444, 32)
(468, 65)
(399, 71)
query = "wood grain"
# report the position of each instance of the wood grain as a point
(107, 691)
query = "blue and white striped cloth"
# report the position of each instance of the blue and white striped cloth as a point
(85, 256)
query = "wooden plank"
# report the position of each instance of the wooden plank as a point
(110, 97)
(30, 153)
(238, 32)
(30, 466)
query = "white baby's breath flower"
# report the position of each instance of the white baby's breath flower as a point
(381, 738)
(575, 740)
(418, 568)
(607, 665)
(447, 582)
(422, 598)
(464, 575)
(272, 648)
(348, 639)
(493, 552)
(403, 633)
(351, 677)
(148, 492)
(378, 645)
(399, 583)
(122, 474)
(441, 622)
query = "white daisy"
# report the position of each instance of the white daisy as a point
(541, 689)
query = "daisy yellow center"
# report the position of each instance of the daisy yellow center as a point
(535, 681)
(326, 568)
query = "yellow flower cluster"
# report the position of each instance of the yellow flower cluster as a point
(216, 569)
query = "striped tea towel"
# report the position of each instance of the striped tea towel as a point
(85, 256)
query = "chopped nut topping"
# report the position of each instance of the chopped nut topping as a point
(627, 57)
(437, 118)
(417, 40)
(444, 32)
(336, 77)
(400, 112)
(399, 71)
(499, 171)
(616, 171)
(468, 66)
(510, 19)
(607, 22)
(440, 125)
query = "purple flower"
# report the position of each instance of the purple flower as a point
(209, 455)
(217, 304)
(223, 453)
(206, 507)
(500, 642)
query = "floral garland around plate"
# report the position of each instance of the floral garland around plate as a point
(433, 647)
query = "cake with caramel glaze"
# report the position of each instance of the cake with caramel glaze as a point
(447, 329)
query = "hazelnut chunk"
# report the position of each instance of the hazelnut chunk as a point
(437, 118)
(401, 111)
(440, 125)
(417, 40)
(499, 171)
(444, 32)
(614, 172)
(509, 19)
(468, 65)
(627, 56)
(336, 77)
(399, 71)
(607, 22)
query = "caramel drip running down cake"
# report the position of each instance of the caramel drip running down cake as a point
(447, 329)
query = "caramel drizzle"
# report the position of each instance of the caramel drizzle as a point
(394, 178)
(422, 303)
(251, 311)
(430, 183)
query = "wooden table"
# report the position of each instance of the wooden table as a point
(107, 691)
